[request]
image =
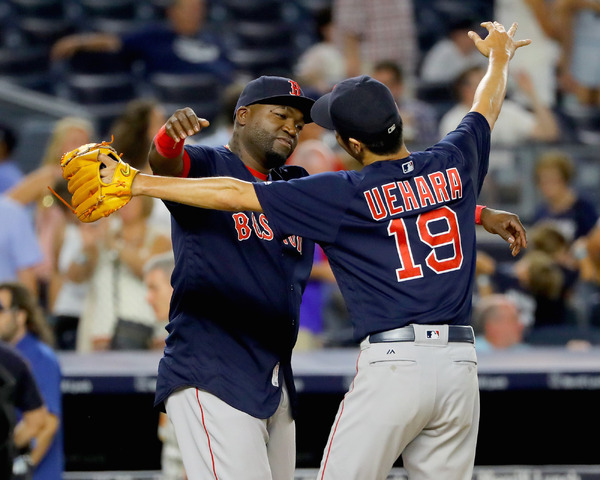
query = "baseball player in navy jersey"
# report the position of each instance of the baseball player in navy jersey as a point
(400, 237)
(226, 376)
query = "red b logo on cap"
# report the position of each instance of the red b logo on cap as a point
(295, 89)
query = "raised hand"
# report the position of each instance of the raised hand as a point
(498, 40)
(184, 123)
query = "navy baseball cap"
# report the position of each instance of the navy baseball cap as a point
(276, 91)
(359, 107)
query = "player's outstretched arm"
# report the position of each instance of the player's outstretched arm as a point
(166, 151)
(507, 225)
(217, 193)
(499, 46)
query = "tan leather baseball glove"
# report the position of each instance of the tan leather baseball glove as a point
(92, 198)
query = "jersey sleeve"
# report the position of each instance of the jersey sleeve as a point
(311, 207)
(199, 165)
(472, 139)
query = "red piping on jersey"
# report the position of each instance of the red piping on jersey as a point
(339, 418)
(212, 457)
(260, 176)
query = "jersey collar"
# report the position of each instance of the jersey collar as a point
(255, 173)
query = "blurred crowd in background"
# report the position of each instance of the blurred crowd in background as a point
(89, 279)
(130, 64)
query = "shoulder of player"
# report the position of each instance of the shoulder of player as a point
(205, 153)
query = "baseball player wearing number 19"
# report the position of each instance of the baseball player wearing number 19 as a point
(400, 237)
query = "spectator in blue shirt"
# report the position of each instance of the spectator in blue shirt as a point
(20, 251)
(562, 204)
(10, 173)
(183, 45)
(24, 327)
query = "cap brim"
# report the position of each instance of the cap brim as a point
(304, 104)
(320, 112)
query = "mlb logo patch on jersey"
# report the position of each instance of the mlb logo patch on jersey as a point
(408, 167)
(433, 334)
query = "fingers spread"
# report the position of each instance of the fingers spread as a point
(474, 36)
(522, 43)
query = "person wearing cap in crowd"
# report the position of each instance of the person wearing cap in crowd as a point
(400, 237)
(226, 377)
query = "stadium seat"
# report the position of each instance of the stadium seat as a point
(103, 96)
(27, 67)
(313, 6)
(38, 8)
(98, 89)
(116, 26)
(263, 61)
(96, 62)
(263, 34)
(113, 9)
(153, 9)
(256, 10)
(43, 31)
(561, 335)
(201, 92)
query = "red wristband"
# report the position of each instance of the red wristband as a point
(478, 210)
(166, 146)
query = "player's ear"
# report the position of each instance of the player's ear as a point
(356, 146)
(242, 115)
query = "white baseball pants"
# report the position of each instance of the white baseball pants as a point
(415, 400)
(219, 442)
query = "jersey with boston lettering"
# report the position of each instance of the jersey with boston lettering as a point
(399, 234)
(237, 293)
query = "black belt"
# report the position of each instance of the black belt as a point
(456, 333)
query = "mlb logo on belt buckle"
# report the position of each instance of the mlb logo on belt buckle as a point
(433, 334)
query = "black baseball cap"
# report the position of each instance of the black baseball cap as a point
(275, 91)
(359, 107)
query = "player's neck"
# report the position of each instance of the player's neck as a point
(371, 157)
(246, 157)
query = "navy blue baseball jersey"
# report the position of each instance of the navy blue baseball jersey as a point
(399, 234)
(236, 299)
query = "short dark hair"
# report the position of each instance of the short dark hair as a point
(388, 145)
